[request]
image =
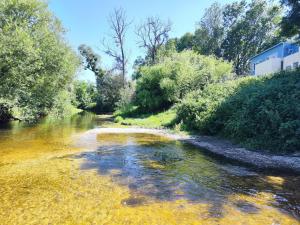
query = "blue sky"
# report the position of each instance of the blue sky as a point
(86, 20)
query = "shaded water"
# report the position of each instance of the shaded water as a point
(58, 173)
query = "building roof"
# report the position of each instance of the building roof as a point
(275, 46)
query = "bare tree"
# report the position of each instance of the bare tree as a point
(118, 25)
(153, 33)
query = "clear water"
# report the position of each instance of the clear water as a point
(65, 172)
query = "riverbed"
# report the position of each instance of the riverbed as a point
(65, 172)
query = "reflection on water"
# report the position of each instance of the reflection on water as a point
(54, 173)
(169, 170)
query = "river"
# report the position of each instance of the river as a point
(59, 172)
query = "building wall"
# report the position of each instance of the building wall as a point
(274, 52)
(290, 62)
(269, 66)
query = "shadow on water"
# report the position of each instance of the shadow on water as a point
(168, 170)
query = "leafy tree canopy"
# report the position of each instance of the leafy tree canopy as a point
(291, 21)
(35, 62)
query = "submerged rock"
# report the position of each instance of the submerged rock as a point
(133, 201)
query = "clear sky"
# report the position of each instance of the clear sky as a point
(86, 20)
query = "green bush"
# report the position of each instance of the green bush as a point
(175, 75)
(197, 109)
(118, 119)
(85, 94)
(259, 112)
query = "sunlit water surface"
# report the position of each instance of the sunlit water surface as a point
(64, 172)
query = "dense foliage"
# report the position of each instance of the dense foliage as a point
(108, 91)
(36, 65)
(260, 112)
(175, 75)
(85, 94)
(291, 21)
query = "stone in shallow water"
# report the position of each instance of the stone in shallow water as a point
(134, 201)
(246, 207)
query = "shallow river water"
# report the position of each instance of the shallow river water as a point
(65, 172)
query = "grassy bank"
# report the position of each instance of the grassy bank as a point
(150, 120)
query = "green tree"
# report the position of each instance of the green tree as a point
(186, 42)
(291, 21)
(235, 31)
(209, 35)
(259, 112)
(36, 64)
(138, 63)
(108, 88)
(104, 96)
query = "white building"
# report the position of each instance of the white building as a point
(282, 56)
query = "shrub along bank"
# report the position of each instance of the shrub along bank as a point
(259, 112)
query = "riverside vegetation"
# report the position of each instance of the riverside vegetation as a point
(180, 83)
(196, 83)
(258, 112)
(80, 170)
